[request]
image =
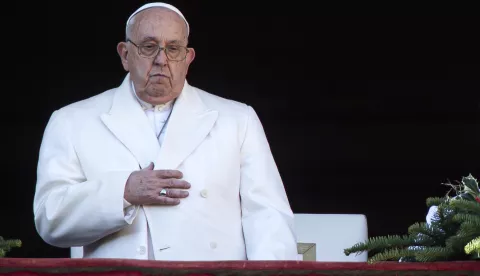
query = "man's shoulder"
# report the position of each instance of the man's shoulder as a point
(222, 104)
(94, 105)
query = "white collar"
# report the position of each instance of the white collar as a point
(146, 106)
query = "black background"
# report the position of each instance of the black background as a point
(365, 114)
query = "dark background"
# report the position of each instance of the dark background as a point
(365, 114)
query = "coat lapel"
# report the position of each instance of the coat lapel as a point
(128, 122)
(189, 124)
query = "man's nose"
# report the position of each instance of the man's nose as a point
(161, 58)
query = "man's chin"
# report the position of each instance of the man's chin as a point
(159, 97)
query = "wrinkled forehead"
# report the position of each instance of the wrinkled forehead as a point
(160, 23)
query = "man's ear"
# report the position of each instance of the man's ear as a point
(190, 56)
(123, 53)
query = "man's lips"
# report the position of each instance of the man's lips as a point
(159, 78)
(158, 75)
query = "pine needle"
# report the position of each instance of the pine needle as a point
(379, 243)
(433, 254)
(425, 229)
(468, 218)
(391, 255)
(7, 245)
(468, 229)
(435, 201)
(465, 206)
(473, 246)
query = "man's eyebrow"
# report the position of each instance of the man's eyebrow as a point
(169, 42)
(148, 38)
(175, 41)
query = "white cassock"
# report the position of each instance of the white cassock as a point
(237, 208)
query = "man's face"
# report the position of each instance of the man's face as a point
(156, 79)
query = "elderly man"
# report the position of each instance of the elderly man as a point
(158, 169)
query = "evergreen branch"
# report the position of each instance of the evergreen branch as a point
(465, 206)
(452, 234)
(438, 217)
(432, 254)
(7, 245)
(468, 229)
(473, 246)
(472, 219)
(457, 243)
(391, 254)
(422, 240)
(435, 201)
(443, 219)
(445, 212)
(380, 243)
(424, 228)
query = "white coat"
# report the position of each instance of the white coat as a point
(237, 208)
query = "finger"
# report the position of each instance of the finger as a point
(149, 167)
(163, 200)
(175, 183)
(164, 174)
(174, 193)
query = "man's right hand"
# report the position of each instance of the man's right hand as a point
(143, 187)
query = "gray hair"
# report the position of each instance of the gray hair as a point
(129, 29)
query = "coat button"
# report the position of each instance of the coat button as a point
(213, 245)
(142, 250)
(204, 193)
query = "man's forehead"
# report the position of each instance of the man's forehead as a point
(158, 22)
(167, 9)
(158, 33)
(159, 15)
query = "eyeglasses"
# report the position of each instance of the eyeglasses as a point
(150, 49)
